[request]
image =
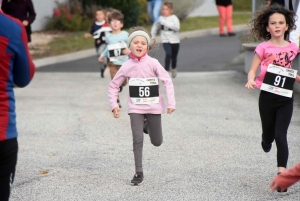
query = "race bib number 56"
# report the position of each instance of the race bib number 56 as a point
(144, 90)
(279, 80)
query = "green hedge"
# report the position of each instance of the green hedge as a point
(242, 5)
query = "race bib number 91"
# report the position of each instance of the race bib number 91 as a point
(279, 80)
(144, 90)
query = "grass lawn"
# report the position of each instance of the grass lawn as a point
(75, 41)
(195, 23)
(243, 5)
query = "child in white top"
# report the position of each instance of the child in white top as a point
(169, 25)
(98, 31)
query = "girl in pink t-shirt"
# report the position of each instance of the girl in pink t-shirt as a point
(273, 24)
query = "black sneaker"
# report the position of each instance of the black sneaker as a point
(121, 89)
(118, 101)
(102, 73)
(279, 190)
(145, 129)
(266, 147)
(137, 179)
(231, 34)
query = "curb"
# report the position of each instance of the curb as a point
(91, 52)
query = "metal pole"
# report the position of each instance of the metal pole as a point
(253, 6)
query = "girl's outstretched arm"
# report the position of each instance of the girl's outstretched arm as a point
(163, 75)
(155, 28)
(286, 179)
(252, 73)
(114, 87)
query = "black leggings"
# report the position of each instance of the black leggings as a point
(276, 113)
(171, 54)
(8, 161)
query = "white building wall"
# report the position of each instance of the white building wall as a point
(43, 9)
(208, 8)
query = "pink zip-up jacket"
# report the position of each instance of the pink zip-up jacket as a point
(144, 67)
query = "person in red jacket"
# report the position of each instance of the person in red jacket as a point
(285, 179)
(16, 69)
(22, 10)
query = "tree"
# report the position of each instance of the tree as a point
(130, 8)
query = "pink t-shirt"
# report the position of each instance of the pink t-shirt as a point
(271, 54)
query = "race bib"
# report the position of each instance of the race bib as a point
(116, 51)
(98, 33)
(144, 90)
(279, 80)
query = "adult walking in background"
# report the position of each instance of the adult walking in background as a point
(153, 7)
(22, 10)
(17, 69)
(294, 6)
(225, 14)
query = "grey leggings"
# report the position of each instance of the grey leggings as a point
(154, 130)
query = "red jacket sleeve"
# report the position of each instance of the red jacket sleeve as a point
(289, 177)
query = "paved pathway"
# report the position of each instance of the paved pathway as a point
(211, 148)
(209, 53)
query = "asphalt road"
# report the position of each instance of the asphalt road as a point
(71, 148)
(211, 149)
(202, 54)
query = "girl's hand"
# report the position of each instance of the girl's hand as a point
(153, 40)
(274, 186)
(101, 59)
(87, 35)
(250, 84)
(116, 112)
(170, 110)
(25, 23)
(298, 78)
(126, 51)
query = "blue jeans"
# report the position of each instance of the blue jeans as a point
(153, 8)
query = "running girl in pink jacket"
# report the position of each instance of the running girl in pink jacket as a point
(144, 101)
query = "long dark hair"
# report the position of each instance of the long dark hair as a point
(261, 20)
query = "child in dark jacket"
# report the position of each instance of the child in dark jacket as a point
(98, 32)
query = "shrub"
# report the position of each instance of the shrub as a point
(130, 8)
(67, 17)
(144, 18)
